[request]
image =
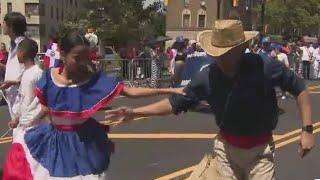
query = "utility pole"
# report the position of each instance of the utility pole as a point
(218, 9)
(263, 6)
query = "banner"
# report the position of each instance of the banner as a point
(194, 63)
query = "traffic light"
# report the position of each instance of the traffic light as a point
(235, 3)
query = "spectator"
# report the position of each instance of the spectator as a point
(283, 58)
(306, 61)
(316, 56)
(14, 25)
(180, 48)
(3, 54)
(3, 60)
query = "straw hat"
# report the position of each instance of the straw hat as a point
(224, 36)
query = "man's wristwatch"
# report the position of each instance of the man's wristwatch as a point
(308, 129)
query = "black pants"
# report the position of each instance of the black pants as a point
(306, 69)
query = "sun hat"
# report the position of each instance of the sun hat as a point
(224, 36)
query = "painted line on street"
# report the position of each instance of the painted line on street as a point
(314, 92)
(281, 144)
(115, 123)
(154, 136)
(282, 141)
(314, 87)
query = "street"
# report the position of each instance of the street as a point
(168, 147)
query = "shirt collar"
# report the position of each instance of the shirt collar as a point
(16, 41)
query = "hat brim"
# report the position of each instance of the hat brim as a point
(204, 38)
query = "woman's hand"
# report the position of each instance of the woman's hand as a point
(122, 114)
(13, 123)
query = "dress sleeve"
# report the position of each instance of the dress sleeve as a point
(42, 87)
(196, 91)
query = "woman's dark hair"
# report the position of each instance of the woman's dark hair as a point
(72, 40)
(17, 22)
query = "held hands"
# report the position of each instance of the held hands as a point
(122, 114)
(179, 91)
(13, 123)
(6, 84)
(306, 144)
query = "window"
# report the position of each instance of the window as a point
(62, 14)
(186, 18)
(9, 7)
(33, 30)
(42, 10)
(201, 18)
(31, 9)
(201, 21)
(76, 3)
(186, 2)
(51, 12)
(57, 13)
(71, 2)
(42, 29)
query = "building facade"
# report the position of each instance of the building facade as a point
(189, 17)
(43, 17)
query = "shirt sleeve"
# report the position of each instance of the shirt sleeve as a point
(41, 87)
(195, 91)
(283, 77)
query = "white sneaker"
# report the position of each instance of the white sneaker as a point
(283, 97)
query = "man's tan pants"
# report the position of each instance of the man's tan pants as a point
(233, 163)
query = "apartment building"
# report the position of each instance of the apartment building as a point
(43, 16)
(189, 17)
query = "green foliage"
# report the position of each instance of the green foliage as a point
(294, 17)
(118, 22)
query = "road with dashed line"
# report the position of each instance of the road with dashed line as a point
(169, 147)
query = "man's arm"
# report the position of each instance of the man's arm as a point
(160, 108)
(290, 82)
(304, 105)
(145, 92)
(307, 138)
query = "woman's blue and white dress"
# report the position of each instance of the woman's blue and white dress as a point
(73, 145)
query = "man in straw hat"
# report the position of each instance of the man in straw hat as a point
(240, 89)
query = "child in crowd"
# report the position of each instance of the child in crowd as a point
(28, 106)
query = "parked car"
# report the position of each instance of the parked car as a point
(110, 53)
(112, 61)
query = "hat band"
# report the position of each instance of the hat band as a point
(228, 43)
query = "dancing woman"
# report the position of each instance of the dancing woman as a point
(73, 145)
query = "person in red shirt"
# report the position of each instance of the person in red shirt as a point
(3, 54)
(3, 60)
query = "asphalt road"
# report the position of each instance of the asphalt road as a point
(156, 147)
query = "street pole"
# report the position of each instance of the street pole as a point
(218, 9)
(263, 3)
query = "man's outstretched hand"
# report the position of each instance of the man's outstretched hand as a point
(306, 144)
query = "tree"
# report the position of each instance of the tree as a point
(118, 22)
(294, 17)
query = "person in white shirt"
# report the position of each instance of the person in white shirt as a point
(28, 106)
(283, 58)
(316, 57)
(306, 61)
(14, 25)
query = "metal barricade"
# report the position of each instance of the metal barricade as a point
(134, 72)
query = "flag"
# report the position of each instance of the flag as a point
(52, 57)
